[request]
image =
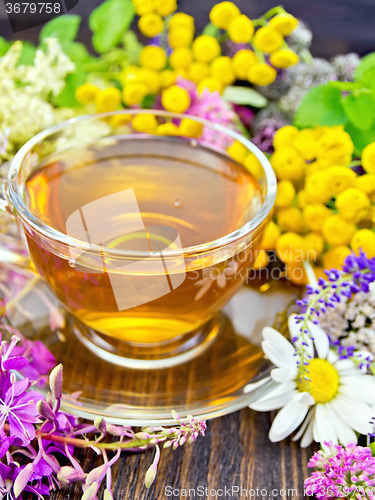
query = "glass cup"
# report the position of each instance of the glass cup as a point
(84, 194)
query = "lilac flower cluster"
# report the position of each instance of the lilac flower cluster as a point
(343, 472)
(34, 427)
(356, 275)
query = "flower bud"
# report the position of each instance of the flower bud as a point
(96, 475)
(90, 493)
(142, 435)
(45, 410)
(101, 425)
(167, 444)
(68, 475)
(175, 415)
(107, 495)
(150, 475)
(55, 381)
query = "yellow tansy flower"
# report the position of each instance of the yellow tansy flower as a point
(153, 57)
(284, 23)
(150, 78)
(285, 194)
(134, 93)
(144, 123)
(167, 78)
(261, 260)
(222, 69)
(129, 74)
(181, 19)
(175, 99)
(366, 183)
(190, 128)
(86, 93)
(270, 236)
(206, 48)
(305, 142)
(315, 215)
(337, 231)
(353, 204)
(180, 36)
(210, 83)
(285, 136)
(237, 151)
(317, 188)
(268, 39)
(315, 245)
(151, 24)
(334, 258)
(288, 164)
(253, 165)
(241, 62)
(181, 58)
(120, 120)
(222, 14)
(167, 129)
(290, 219)
(291, 247)
(302, 199)
(165, 7)
(296, 273)
(284, 58)
(197, 71)
(335, 147)
(241, 29)
(261, 74)
(108, 100)
(368, 158)
(143, 6)
(339, 178)
(364, 240)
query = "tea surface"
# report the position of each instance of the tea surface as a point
(199, 194)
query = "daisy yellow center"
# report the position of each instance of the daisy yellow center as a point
(324, 381)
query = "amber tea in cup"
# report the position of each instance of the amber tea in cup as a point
(142, 237)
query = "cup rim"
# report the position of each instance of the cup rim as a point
(23, 211)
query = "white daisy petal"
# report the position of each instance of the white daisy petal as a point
(344, 433)
(332, 357)
(304, 425)
(287, 420)
(359, 388)
(355, 414)
(308, 436)
(295, 331)
(283, 374)
(304, 398)
(324, 425)
(344, 364)
(315, 430)
(320, 339)
(274, 403)
(277, 343)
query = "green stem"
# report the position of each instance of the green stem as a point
(259, 22)
(258, 53)
(355, 163)
(272, 12)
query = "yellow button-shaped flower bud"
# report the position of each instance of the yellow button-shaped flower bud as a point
(153, 57)
(144, 123)
(165, 7)
(175, 99)
(206, 48)
(180, 36)
(134, 93)
(368, 158)
(222, 14)
(181, 58)
(181, 19)
(197, 71)
(241, 62)
(86, 93)
(190, 128)
(167, 78)
(241, 29)
(222, 69)
(261, 74)
(210, 83)
(151, 24)
(364, 240)
(338, 231)
(284, 58)
(284, 23)
(108, 100)
(268, 39)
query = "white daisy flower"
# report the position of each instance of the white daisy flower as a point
(340, 398)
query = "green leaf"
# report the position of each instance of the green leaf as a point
(109, 21)
(4, 46)
(67, 97)
(76, 51)
(344, 86)
(372, 446)
(210, 30)
(27, 54)
(132, 47)
(360, 109)
(368, 79)
(320, 106)
(366, 63)
(360, 137)
(65, 28)
(244, 95)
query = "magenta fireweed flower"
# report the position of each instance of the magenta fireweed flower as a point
(18, 408)
(343, 472)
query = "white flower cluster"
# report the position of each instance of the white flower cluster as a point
(24, 92)
(353, 321)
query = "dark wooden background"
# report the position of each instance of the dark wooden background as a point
(236, 450)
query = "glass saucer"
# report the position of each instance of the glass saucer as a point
(210, 385)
